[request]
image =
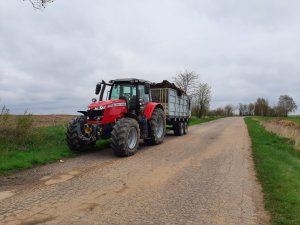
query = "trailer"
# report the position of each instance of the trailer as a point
(177, 108)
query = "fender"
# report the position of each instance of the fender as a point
(150, 108)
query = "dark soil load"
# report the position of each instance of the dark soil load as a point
(167, 84)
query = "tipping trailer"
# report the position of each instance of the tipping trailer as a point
(177, 108)
(134, 109)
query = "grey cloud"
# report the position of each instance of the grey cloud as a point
(50, 61)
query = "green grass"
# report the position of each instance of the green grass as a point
(278, 169)
(293, 119)
(43, 145)
(195, 120)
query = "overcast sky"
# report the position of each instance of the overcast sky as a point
(50, 60)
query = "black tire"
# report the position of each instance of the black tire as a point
(75, 135)
(157, 128)
(178, 128)
(120, 142)
(185, 128)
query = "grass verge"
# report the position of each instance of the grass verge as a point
(278, 169)
(196, 120)
(45, 144)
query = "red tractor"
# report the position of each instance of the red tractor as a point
(126, 117)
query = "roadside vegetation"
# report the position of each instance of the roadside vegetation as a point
(23, 144)
(277, 164)
(196, 120)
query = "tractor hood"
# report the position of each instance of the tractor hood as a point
(109, 103)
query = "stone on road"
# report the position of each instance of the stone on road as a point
(204, 177)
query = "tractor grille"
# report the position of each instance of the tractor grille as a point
(95, 114)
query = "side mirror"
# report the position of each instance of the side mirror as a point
(147, 89)
(98, 88)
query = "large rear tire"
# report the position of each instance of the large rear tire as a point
(157, 127)
(76, 138)
(125, 137)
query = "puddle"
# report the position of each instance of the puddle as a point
(73, 172)
(45, 177)
(5, 194)
(60, 178)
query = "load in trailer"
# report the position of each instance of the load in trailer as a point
(136, 109)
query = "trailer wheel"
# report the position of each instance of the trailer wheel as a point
(157, 127)
(185, 128)
(75, 136)
(125, 137)
(178, 128)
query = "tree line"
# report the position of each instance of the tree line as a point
(260, 107)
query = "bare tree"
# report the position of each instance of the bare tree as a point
(39, 4)
(261, 107)
(243, 109)
(229, 109)
(286, 104)
(202, 99)
(251, 108)
(187, 81)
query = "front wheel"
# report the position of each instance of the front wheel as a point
(125, 137)
(77, 139)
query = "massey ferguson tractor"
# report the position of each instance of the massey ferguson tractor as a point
(135, 109)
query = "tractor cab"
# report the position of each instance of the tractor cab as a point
(135, 93)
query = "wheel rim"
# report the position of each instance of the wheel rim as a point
(132, 138)
(160, 127)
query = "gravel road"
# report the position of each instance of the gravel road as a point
(205, 177)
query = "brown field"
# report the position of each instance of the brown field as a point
(45, 120)
(51, 120)
(286, 129)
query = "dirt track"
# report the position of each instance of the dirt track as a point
(205, 177)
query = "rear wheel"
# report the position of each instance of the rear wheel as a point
(125, 137)
(157, 127)
(77, 139)
(178, 128)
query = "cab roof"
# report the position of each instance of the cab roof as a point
(129, 80)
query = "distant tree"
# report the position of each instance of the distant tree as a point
(202, 97)
(187, 81)
(229, 110)
(243, 109)
(285, 105)
(39, 4)
(251, 108)
(261, 107)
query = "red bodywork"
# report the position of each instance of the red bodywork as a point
(150, 108)
(113, 110)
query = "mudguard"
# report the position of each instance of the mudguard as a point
(150, 108)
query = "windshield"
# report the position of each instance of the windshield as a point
(121, 91)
